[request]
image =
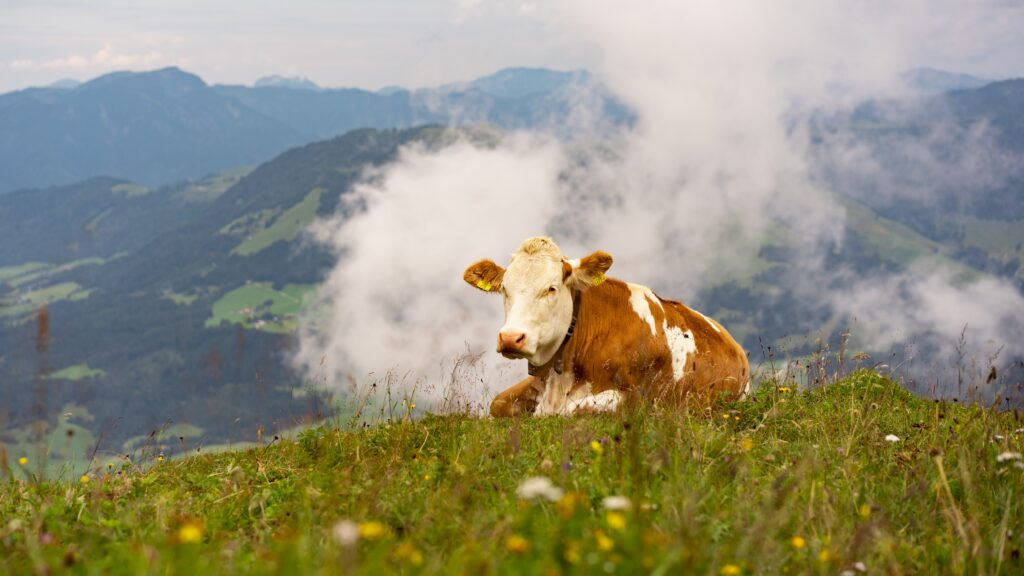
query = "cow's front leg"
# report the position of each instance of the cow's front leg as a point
(519, 399)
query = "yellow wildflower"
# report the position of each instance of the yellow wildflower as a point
(372, 530)
(572, 552)
(406, 551)
(160, 458)
(604, 543)
(798, 542)
(566, 505)
(864, 511)
(191, 531)
(23, 461)
(516, 544)
(84, 479)
(616, 521)
(596, 447)
(729, 570)
(747, 444)
(824, 555)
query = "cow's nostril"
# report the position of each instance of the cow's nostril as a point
(521, 338)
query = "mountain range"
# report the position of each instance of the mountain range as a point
(168, 125)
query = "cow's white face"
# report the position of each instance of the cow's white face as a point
(538, 308)
(538, 291)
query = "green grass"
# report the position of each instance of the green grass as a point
(10, 272)
(799, 483)
(179, 299)
(13, 306)
(285, 227)
(256, 306)
(77, 372)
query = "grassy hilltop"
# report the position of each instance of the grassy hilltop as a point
(790, 482)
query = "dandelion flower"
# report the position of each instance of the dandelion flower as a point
(798, 542)
(345, 533)
(372, 530)
(616, 521)
(1008, 456)
(864, 511)
(596, 447)
(616, 503)
(747, 444)
(824, 555)
(729, 570)
(604, 543)
(517, 544)
(84, 479)
(892, 438)
(23, 461)
(189, 532)
(539, 487)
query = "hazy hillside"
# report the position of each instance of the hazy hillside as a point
(156, 332)
(151, 128)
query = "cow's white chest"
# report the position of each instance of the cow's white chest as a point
(560, 396)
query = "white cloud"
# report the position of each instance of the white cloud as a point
(106, 57)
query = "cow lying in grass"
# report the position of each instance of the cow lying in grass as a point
(593, 343)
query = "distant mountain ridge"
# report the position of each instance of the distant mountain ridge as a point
(167, 125)
(151, 128)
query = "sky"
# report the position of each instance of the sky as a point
(375, 43)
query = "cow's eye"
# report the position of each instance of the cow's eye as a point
(552, 290)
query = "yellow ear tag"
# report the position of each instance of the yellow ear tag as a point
(598, 279)
(484, 285)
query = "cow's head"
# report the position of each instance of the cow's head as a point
(538, 288)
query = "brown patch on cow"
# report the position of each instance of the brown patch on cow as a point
(484, 275)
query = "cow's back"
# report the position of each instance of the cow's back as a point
(629, 339)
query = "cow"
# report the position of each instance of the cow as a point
(595, 343)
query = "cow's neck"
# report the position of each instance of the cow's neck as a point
(557, 362)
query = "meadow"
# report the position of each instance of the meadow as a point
(855, 476)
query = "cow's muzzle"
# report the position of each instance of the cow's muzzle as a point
(511, 344)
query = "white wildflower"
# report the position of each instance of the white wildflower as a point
(345, 533)
(892, 438)
(860, 567)
(539, 487)
(998, 437)
(1007, 456)
(616, 503)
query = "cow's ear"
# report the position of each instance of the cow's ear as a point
(591, 270)
(485, 275)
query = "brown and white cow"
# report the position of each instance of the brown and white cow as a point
(594, 342)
